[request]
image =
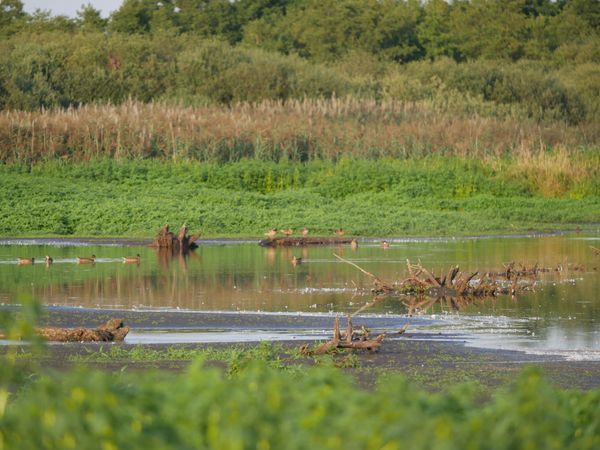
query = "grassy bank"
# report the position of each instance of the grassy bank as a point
(418, 196)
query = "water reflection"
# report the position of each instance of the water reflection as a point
(251, 278)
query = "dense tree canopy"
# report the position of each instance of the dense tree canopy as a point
(224, 51)
(325, 30)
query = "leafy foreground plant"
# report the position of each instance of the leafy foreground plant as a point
(262, 407)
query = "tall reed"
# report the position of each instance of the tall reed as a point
(273, 130)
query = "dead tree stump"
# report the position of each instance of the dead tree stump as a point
(180, 243)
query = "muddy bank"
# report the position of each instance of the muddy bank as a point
(431, 360)
(433, 364)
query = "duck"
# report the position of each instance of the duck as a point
(271, 233)
(48, 259)
(26, 261)
(296, 260)
(340, 232)
(86, 259)
(304, 231)
(385, 244)
(132, 259)
(354, 244)
(287, 232)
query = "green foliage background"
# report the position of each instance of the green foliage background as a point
(537, 62)
(435, 196)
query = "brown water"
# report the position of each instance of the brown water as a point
(561, 315)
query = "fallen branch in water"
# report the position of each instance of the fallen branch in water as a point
(379, 285)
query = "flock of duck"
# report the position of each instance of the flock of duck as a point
(271, 234)
(48, 260)
(287, 232)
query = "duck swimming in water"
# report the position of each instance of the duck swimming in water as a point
(132, 259)
(86, 259)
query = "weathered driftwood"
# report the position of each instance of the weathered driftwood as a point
(181, 242)
(303, 241)
(350, 339)
(113, 330)
(421, 281)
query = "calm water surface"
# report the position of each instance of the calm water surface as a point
(561, 316)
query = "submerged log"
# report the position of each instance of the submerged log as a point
(113, 330)
(303, 241)
(181, 242)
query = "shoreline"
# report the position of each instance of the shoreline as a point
(135, 241)
(433, 365)
(434, 361)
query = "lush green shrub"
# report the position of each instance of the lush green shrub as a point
(265, 408)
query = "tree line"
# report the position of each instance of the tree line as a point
(540, 56)
(325, 30)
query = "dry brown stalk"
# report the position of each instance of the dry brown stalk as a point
(329, 129)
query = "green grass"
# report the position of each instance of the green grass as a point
(432, 196)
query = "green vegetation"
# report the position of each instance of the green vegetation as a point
(429, 196)
(236, 358)
(266, 408)
(382, 117)
(536, 59)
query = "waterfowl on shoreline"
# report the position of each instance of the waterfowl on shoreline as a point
(296, 260)
(86, 259)
(385, 244)
(48, 259)
(354, 244)
(25, 261)
(287, 232)
(340, 232)
(271, 233)
(132, 259)
(304, 231)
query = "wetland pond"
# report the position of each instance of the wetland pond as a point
(233, 291)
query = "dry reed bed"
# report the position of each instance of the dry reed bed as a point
(270, 129)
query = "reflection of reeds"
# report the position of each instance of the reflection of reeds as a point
(294, 129)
